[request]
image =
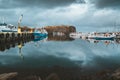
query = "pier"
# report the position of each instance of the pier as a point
(8, 37)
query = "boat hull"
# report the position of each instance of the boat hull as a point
(103, 38)
(8, 31)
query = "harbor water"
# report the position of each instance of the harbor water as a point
(53, 55)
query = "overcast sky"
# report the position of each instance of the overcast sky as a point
(86, 15)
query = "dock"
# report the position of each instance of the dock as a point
(6, 37)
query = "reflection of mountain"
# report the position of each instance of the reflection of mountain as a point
(59, 38)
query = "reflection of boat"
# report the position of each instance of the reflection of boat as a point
(92, 40)
(40, 34)
(107, 42)
(40, 38)
(7, 28)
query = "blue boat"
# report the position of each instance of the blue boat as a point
(39, 38)
(40, 34)
(103, 38)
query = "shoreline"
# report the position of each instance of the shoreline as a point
(58, 73)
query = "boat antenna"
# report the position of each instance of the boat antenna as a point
(0, 19)
(3, 20)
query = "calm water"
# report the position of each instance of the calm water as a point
(65, 53)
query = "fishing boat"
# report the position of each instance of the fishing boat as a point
(4, 27)
(39, 34)
(75, 35)
(102, 36)
(40, 38)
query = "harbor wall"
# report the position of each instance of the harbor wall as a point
(8, 37)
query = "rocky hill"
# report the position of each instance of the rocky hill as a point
(62, 29)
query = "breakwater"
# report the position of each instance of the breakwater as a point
(14, 36)
(8, 39)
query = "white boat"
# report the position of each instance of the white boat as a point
(79, 35)
(101, 36)
(4, 27)
(75, 35)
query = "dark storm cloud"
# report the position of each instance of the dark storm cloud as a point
(107, 3)
(37, 3)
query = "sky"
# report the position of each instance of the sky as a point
(85, 15)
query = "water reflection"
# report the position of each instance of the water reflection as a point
(106, 42)
(60, 51)
(59, 38)
(8, 45)
(19, 46)
(20, 43)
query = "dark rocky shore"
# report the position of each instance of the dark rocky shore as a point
(59, 73)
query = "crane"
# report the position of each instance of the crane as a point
(19, 21)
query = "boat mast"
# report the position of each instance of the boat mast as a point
(3, 19)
